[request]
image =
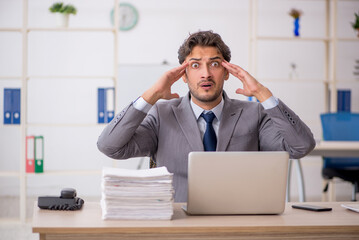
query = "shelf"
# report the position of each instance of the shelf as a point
(2, 125)
(53, 125)
(50, 29)
(67, 77)
(268, 38)
(66, 173)
(71, 29)
(53, 173)
(291, 80)
(339, 80)
(348, 39)
(65, 124)
(9, 174)
(10, 29)
(10, 78)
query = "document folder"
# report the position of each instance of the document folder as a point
(110, 104)
(39, 154)
(16, 98)
(30, 154)
(7, 106)
(101, 105)
(344, 97)
(12, 98)
(106, 104)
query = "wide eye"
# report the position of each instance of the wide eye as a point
(214, 64)
(194, 65)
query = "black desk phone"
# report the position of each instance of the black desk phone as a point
(67, 201)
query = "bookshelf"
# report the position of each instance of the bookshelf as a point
(329, 39)
(25, 77)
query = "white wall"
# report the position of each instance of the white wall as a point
(162, 27)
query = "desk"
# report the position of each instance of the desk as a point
(336, 149)
(292, 224)
(323, 149)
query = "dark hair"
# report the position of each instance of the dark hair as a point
(205, 39)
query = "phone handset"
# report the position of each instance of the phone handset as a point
(66, 201)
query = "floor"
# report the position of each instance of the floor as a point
(10, 227)
(16, 231)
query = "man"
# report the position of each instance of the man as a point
(168, 130)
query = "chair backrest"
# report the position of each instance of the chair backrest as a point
(343, 126)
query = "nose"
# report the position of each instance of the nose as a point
(206, 72)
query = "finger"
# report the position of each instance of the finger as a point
(174, 95)
(233, 69)
(182, 66)
(239, 91)
(171, 96)
(177, 73)
(236, 66)
(243, 92)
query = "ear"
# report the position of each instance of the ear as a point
(226, 75)
(184, 78)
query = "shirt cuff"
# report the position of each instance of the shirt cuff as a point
(141, 105)
(270, 103)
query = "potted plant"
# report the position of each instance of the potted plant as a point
(62, 13)
(295, 13)
(355, 24)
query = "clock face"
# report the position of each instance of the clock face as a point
(128, 16)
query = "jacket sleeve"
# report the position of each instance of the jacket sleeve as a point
(281, 128)
(131, 133)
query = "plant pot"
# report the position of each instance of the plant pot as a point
(62, 20)
(357, 32)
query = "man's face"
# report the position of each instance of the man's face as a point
(205, 76)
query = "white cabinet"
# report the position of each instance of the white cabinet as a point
(61, 68)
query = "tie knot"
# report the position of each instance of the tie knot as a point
(208, 117)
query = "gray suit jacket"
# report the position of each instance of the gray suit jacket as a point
(169, 132)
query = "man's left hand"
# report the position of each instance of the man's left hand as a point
(251, 87)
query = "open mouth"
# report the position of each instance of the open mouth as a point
(206, 85)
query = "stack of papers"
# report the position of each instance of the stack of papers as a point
(137, 194)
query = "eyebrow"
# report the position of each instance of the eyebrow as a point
(199, 59)
(214, 58)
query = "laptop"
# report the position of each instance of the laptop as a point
(237, 182)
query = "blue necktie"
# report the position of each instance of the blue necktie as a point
(209, 138)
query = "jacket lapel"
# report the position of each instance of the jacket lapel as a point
(230, 116)
(185, 117)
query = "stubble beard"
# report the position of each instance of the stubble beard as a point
(206, 98)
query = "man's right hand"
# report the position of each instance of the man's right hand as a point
(162, 88)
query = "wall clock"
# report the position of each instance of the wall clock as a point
(128, 16)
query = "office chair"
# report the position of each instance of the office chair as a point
(341, 126)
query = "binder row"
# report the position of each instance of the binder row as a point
(106, 104)
(34, 154)
(12, 99)
(12, 106)
(344, 100)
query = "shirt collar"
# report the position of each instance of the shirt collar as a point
(217, 110)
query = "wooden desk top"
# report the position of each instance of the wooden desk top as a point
(336, 149)
(88, 220)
